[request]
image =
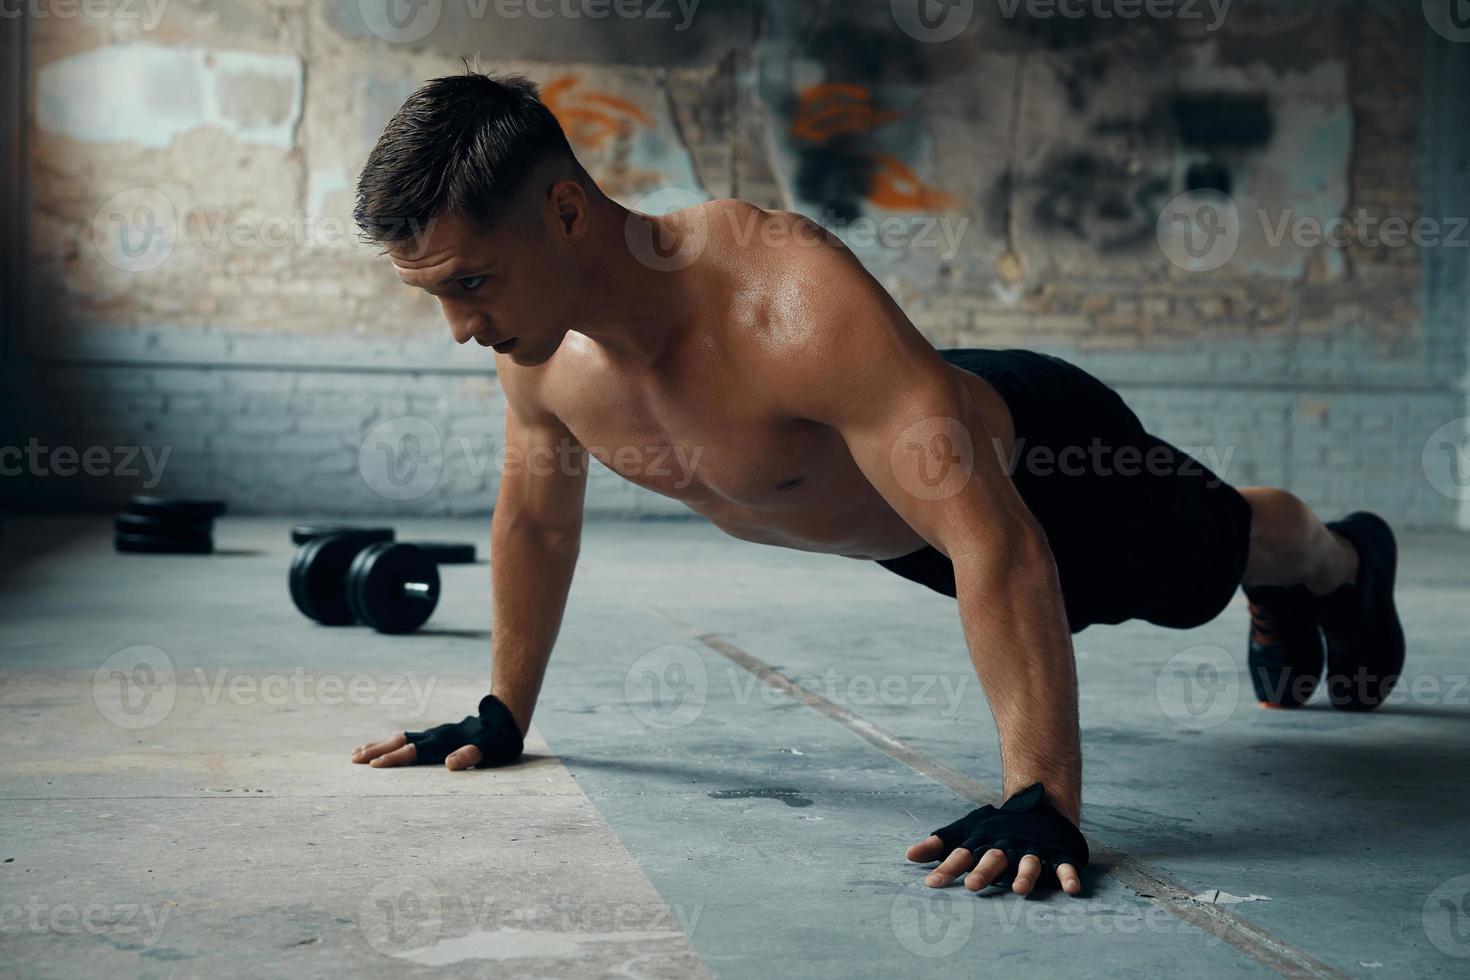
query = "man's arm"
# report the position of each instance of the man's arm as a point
(913, 429)
(535, 536)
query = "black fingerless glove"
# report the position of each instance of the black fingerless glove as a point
(1026, 823)
(494, 733)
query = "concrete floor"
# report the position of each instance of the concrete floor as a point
(176, 798)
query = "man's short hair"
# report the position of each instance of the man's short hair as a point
(466, 144)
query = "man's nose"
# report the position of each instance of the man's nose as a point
(465, 325)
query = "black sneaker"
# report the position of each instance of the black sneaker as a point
(1285, 644)
(1365, 641)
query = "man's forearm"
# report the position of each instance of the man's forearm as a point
(1016, 628)
(531, 574)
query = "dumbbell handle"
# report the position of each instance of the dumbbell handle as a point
(418, 590)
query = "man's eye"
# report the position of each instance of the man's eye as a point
(471, 283)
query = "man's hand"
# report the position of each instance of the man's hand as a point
(491, 739)
(1026, 833)
(397, 750)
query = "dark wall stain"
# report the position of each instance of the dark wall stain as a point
(1110, 194)
(1098, 199)
(790, 797)
(837, 175)
(1221, 120)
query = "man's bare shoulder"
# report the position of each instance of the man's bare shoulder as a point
(528, 389)
(795, 281)
(761, 233)
(801, 310)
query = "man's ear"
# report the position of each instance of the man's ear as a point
(569, 204)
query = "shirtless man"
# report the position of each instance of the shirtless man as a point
(824, 421)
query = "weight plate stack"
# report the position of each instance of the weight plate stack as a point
(167, 526)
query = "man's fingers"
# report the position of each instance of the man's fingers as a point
(370, 751)
(1026, 874)
(1067, 875)
(463, 757)
(403, 756)
(992, 864)
(956, 864)
(931, 848)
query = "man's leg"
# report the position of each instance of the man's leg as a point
(1290, 546)
(1309, 582)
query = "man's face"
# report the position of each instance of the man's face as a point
(510, 287)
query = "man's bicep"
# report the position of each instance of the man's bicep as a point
(911, 425)
(544, 476)
(930, 453)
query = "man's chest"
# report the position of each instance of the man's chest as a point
(705, 448)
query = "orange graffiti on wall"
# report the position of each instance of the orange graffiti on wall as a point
(824, 112)
(590, 118)
(897, 188)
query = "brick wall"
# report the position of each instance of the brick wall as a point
(271, 356)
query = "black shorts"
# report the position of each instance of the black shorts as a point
(1138, 528)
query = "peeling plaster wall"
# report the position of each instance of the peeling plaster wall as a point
(255, 98)
(194, 282)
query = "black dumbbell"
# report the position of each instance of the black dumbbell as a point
(392, 587)
(342, 579)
